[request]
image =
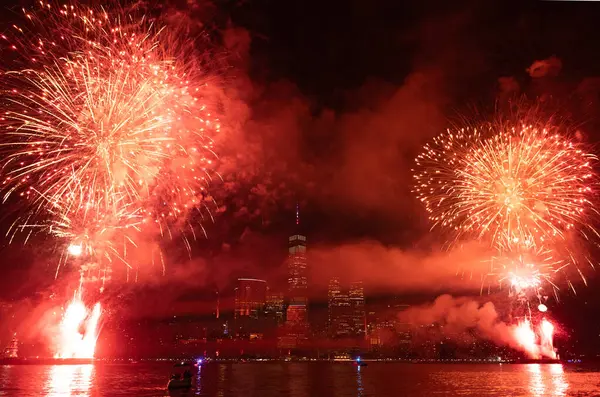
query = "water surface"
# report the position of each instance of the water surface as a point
(310, 379)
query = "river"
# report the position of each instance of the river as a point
(308, 379)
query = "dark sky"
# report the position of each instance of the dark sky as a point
(329, 101)
(343, 94)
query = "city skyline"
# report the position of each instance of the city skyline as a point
(311, 124)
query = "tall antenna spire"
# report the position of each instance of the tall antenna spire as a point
(297, 213)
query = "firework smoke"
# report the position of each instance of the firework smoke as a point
(78, 330)
(108, 134)
(459, 315)
(524, 185)
(525, 191)
(106, 128)
(535, 345)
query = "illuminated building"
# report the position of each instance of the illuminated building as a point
(250, 301)
(296, 315)
(297, 266)
(346, 310)
(296, 318)
(275, 308)
(339, 308)
(250, 297)
(333, 293)
(296, 326)
(356, 296)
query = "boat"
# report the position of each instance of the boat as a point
(342, 358)
(359, 363)
(181, 377)
(184, 383)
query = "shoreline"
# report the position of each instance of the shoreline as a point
(75, 361)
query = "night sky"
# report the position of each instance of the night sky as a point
(329, 102)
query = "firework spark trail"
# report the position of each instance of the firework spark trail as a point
(546, 339)
(526, 337)
(524, 191)
(106, 128)
(108, 133)
(527, 192)
(78, 331)
(536, 345)
(526, 271)
(509, 186)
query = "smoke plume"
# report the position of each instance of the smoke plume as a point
(391, 268)
(457, 316)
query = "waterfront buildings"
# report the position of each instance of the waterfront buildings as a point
(358, 320)
(346, 310)
(250, 297)
(250, 303)
(275, 308)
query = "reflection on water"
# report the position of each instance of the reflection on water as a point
(275, 379)
(359, 386)
(550, 378)
(298, 380)
(221, 381)
(536, 383)
(559, 379)
(69, 380)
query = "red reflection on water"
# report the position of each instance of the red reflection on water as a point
(222, 380)
(547, 377)
(70, 380)
(359, 384)
(536, 380)
(559, 380)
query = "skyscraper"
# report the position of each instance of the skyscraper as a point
(250, 300)
(339, 310)
(357, 303)
(333, 292)
(297, 267)
(250, 297)
(274, 309)
(346, 310)
(296, 315)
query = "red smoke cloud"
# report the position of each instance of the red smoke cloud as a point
(393, 269)
(459, 315)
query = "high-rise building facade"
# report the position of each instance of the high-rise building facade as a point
(250, 297)
(275, 308)
(334, 290)
(339, 310)
(346, 310)
(297, 310)
(250, 301)
(356, 296)
(297, 267)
